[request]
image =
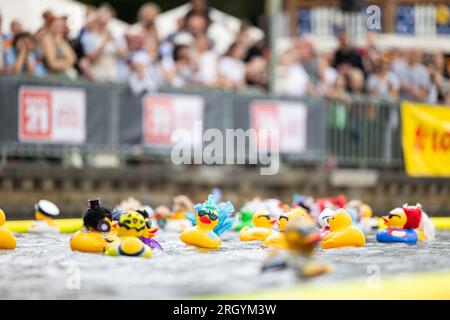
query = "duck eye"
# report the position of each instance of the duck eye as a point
(284, 217)
(266, 216)
(202, 213)
(148, 224)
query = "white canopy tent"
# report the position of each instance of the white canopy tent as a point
(223, 29)
(29, 12)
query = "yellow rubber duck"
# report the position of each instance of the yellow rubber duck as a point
(264, 223)
(7, 239)
(131, 226)
(302, 237)
(277, 239)
(95, 234)
(210, 221)
(45, 212)
(342, 233)
(202, 235)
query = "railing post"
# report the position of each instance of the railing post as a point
(273, 9)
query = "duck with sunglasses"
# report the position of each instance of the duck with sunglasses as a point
(265, 224)
(209, 222)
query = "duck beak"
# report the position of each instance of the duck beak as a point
(153, 230)
(385, 219)
(205, 220)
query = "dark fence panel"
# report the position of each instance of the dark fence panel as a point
(365, 133)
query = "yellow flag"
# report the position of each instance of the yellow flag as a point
(426, 139)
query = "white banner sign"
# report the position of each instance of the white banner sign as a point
(288, 117)
(52, 115)
(164, 113)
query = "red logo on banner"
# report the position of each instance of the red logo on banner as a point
(265, 116)
(35, 115)
(158, 120)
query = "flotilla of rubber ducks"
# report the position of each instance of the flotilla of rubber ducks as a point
(292, 233)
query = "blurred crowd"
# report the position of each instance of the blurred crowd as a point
(406, 74)
(188, 57)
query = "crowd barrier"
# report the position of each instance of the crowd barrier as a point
(45, 116)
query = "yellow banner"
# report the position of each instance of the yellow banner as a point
(426, 139)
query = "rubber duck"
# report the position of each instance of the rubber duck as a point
(264, 224)
(176, 220)
(7, 239)
(45, 212)
(302, 237)
(342, 233)
(277, 239)
(245, 216)
(401, 223)
(326, 214)
(150, 228)
(130, 229)
(209, 222)
(96, 233)
(149, 232)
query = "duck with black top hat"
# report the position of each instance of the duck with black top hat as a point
(95, 235)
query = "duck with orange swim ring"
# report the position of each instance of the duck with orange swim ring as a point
(277, 239)
(7, 239)
(265, 224)
(96, 233)
(209, 222)
(342, 232)
(130, 228)
(401, 224)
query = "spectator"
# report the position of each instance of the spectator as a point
(146, 76)
(439, 85)
(16, 28)
(305, 47)
(59, 55)
(181, 73)
(147, 16)
(383, 83)
(48, 17)
(327, 75)
(355, 81)
(196, 24)
(102, 49)
(5, 43)
(413, 75)
(295, 80)
(22, 58)
(256, 72)
(208, 60)
(232, 68)
(199, 7)
(346, 56)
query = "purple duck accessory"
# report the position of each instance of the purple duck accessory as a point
(151, 243)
